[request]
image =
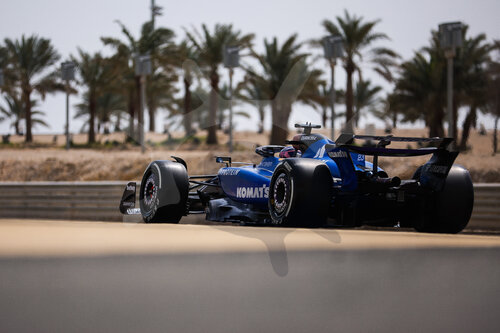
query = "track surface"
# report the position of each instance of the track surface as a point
(58, 276)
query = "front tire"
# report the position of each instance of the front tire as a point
(163, 192)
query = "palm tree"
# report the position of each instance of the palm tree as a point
(252, 91)
(472, 79)
(4, 61)
(200, 110)
(160, 88)
(223, 105)
(469, 78)
(324, 93)
(125, 82)
(494, 103)
(109, 106)
(4, 57)
(96, 74)
(365, 95)
(210, 49)
(224, 102)
(181, 54)
(288, 79)
(420, 92)
(387, 111)
(493, 92)
(15, 111)
(151, 41)
(324, 102)
(358, 36)
(160, 92)
(30, 58)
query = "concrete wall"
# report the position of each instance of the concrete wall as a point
(99, 201)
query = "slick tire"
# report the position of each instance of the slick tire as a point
(164, 192)
(449, 210)
(300, 193)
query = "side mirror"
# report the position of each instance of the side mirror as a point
(223, 159)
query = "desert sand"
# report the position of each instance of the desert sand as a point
(49, 161)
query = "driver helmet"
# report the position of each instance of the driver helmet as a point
(288, 152)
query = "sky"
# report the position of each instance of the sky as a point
(81, 23)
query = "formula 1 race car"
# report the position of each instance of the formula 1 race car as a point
(315, 182)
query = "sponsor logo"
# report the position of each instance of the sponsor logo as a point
(287, 166)
(252, 192)
(320, 153)
(133, 211)
(229, 172)
(309, 138)
(130, 188)
(338, 154)
(266, 164)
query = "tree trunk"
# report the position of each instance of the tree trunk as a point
(356, 117)
(455, 117)
(92, 109)
(436, 122)
(436, 131)
(394, 119)
(152, 113)
(187, 107)
(495, 142)
(220, 116)
(349, 99)
(16, 127)
(212, 126)
(27, 113)
(324, 116)
(131, 114)
(117, 122)
(469, 120)
(138, 106)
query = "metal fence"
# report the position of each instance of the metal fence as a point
(99, 201)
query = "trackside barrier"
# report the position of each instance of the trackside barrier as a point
(99, 201)
(486, 212)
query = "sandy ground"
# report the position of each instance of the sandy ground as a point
(51, 162)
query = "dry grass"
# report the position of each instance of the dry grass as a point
(46, 163)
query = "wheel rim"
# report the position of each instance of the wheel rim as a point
(150, 191)
(281, 190)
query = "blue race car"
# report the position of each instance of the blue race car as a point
(314, 182)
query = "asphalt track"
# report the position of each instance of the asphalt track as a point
(62, 276)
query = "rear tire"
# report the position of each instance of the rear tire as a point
(451, 208)
(300, 193)
(165, 202)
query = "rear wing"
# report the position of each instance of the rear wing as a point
(380, 149)
(432, 175)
